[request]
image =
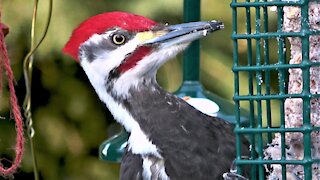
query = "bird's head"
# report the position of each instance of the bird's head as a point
(119, 50)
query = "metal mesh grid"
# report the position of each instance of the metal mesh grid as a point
(260, 98)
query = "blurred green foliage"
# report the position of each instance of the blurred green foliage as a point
(69, 119)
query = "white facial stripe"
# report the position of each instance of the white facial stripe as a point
(150, 64)
(97, 79)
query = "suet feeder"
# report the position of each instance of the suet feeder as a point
(278, 84)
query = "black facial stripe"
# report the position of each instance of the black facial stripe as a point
(114, 73)
(90, 50)
(108, 83)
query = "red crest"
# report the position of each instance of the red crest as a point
(100, 23)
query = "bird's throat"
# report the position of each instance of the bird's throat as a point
(133, 58)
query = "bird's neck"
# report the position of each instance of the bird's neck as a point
(116, 94)
(123, 110)
(123, 104)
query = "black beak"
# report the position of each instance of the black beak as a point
(185, 33)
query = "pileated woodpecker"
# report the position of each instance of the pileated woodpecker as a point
(169, 139)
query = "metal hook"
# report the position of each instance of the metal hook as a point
(27, 69)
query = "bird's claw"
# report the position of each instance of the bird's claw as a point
(233, 176)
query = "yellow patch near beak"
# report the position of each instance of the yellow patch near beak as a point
(147, 35)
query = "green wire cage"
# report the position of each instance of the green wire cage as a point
(273, 53)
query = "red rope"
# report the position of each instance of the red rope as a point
(14, 105)
(5, 30)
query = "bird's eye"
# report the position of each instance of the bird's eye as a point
(118, 39)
